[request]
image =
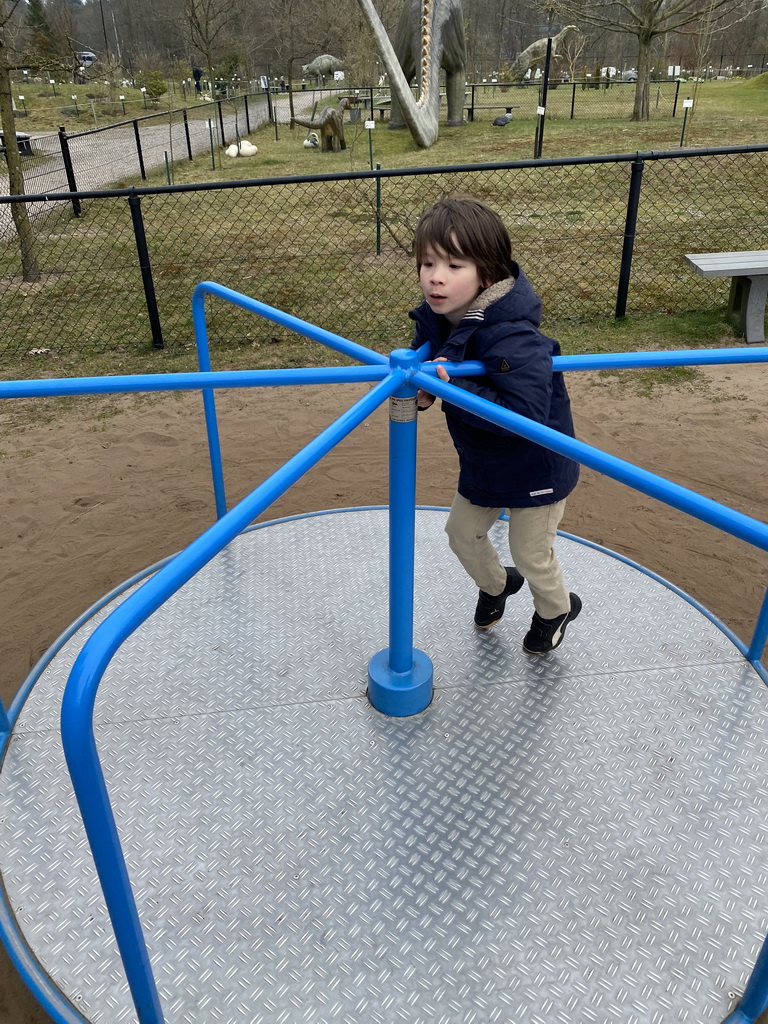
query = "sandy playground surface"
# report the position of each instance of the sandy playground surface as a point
(107, 487)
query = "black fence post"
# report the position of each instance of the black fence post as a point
(221, 123)
(472, 105)
(146, 270)
(573, 100)
(247, 115)
(186, 134)
(138, 149)
(69, 170)
(543, 102)
(630, 226)
(677, 93)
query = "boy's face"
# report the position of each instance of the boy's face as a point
(450, 283)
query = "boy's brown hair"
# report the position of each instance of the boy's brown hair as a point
(466, 229)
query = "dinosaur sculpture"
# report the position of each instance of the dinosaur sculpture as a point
(323, 65)
(536, 54)
(330, 124)
(430, 34)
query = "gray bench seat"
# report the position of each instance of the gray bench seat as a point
(749, 287)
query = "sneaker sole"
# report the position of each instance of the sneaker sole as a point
(487, 625)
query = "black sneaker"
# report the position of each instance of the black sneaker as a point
(490, 608)
(547, 634)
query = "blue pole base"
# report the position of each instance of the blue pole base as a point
(399, 694)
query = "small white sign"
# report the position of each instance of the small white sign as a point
(21, 97)
(687, 103)
(673, 70)
(370, 125)
(541, 111)
(402, 410)
(264, 82)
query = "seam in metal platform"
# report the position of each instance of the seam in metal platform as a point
(577, 838)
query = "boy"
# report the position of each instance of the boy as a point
(478, 304)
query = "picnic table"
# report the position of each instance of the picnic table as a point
(749, 287)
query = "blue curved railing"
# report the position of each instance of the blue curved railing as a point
(400, 677)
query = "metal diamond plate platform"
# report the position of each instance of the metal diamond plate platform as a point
(576, 839)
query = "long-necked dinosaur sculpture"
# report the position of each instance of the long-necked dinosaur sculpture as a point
(430, 34)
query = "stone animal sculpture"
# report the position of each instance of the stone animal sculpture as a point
(329, 123)
(430, 34)
(536, 54)
(323, 65)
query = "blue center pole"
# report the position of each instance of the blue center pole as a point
(400, 677)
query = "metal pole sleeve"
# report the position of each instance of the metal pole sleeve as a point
(677, 93)
(139, 153)
(80, 693)
(247, 114)
(573, 99)
(402, 514)
(705, 509)
(186, 135)
(69, 170)
(630, 226)
(146, 271)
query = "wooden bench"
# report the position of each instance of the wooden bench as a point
(23, 141)
(749, 287)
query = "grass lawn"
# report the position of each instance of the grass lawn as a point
(310, 247)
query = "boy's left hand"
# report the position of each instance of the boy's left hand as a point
(423, 398)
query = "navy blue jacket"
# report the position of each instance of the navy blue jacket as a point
(499, 469)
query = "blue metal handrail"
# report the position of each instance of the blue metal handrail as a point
(401, 670)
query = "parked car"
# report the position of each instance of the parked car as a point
(629, 76)
(85, 58)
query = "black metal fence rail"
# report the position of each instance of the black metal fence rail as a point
(598, 236)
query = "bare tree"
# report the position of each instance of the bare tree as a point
(27, 242)
(648, 19)
(212, 28)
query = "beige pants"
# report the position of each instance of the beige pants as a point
(532, 533)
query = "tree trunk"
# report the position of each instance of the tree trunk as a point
(642, 108)
(27, 241)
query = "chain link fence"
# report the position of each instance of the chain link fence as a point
(338, 250)
(102, 157)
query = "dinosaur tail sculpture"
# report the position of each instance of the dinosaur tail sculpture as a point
(420, 115)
